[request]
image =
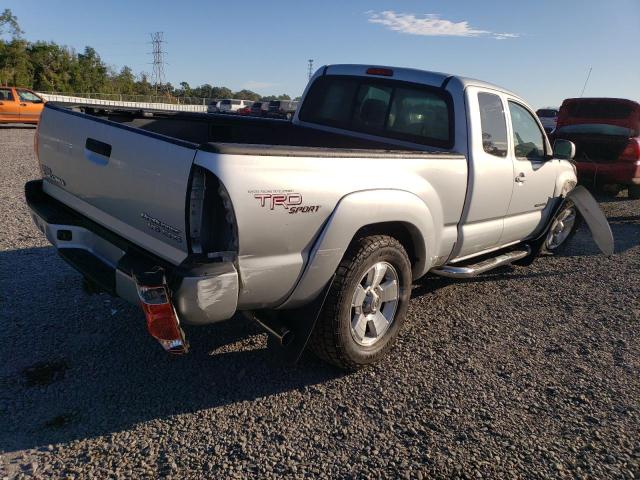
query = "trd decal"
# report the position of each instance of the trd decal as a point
(288, 200)
(271, 200)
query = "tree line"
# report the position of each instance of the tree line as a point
(49, 67)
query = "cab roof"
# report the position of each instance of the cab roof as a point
(425, 77)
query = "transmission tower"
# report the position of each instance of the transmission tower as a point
(157, 76)
(310, 68)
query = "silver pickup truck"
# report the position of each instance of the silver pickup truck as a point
(314, 227)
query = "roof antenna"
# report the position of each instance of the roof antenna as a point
(586, 81)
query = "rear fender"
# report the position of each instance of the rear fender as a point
(353, 212)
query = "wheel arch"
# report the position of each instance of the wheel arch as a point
(397, 213)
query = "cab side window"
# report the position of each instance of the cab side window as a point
(6, 94)
(528, 139)
(27, 96)
(493, 123)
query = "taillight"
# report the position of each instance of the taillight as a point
(211, 220)
(385, 72)
(162, 319)
(631, 152)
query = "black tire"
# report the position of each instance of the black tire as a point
(332, 339)
(634, 192)
(563, 246)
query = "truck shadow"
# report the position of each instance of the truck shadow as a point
(18, 126)
(76, 366)
(626, 235)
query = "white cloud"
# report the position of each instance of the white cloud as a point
(255, 85)
(431, 25)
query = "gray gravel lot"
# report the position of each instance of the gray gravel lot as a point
(523, 372)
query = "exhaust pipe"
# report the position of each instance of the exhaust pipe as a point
(276, 328)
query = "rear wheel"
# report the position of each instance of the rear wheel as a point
(634, 192)
(366, 304)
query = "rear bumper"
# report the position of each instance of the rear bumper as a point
(201, 293)
(625, 173)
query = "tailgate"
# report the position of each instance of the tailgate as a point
(131, 181)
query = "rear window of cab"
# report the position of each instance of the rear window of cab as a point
(389, 108)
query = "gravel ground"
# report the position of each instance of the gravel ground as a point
(524, 372)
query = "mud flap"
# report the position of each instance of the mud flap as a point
(301, 322)
(594, 218)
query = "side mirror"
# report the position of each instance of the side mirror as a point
(564, 149)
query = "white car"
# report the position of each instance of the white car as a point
(214, 106)
(232, 106)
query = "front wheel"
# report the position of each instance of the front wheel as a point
(366, 304)
(563, 227)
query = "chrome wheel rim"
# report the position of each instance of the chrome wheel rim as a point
(561, 227)
(374, 304)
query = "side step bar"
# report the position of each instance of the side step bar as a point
(469, 271)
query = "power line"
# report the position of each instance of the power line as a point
(157, 76)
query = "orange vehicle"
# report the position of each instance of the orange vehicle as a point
(20, 105)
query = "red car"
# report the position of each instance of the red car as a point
(606, 132)
(244, 111)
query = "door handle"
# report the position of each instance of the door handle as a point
(23, 104)
(1, 103)
(97, 152)
(521, 178)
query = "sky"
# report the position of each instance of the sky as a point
(542, 49)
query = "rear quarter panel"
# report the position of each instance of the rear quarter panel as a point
(275, 242)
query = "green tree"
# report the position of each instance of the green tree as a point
(124, 82)
(247, 95)
(9, 23)
(221, 92)
(14, 63)
(90, 73)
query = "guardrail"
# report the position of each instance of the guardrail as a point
(126, 101)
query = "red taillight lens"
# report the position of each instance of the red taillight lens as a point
(385, 72)
(162, 320)
(631, 153)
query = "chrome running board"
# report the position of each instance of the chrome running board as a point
(472, 270)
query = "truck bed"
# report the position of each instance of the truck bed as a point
(201, 128)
